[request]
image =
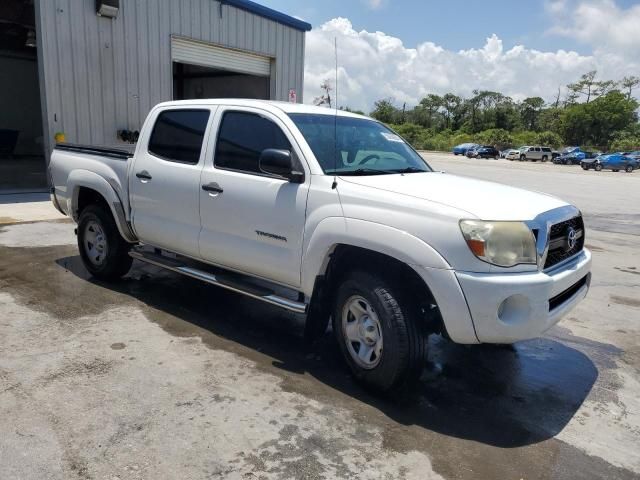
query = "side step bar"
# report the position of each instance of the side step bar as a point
(235, 284)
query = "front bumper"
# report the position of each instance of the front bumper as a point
(535, 301)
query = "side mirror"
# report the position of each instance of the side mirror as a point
(280, 163)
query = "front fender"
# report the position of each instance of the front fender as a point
(390, 241)
(420, 256)
(87, 179)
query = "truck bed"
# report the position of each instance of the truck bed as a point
(110, 164)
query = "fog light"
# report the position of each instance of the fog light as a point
(515, 309)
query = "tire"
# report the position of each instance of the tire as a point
(385, 315)
(104, 253)
(545, 158)
(584, 167)
(628, 169)
(567, 162)
(597, 167)
(523, 158)
(497, 157)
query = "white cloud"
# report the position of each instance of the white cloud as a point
(374, 65)
(601, 24)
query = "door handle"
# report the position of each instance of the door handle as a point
(143, 175)
(212, 188)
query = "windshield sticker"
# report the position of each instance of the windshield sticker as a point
(391, 137)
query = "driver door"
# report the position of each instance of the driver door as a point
(252, 222)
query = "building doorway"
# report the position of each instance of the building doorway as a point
(194, 81)
(22, 161)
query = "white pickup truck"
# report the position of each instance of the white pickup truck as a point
(331, 215)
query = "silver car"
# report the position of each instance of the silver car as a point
(535, 153)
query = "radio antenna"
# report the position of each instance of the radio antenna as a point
(335, 119)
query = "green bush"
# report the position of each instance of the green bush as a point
(626, 140)
(550, 139)
(524, 138)
(496, 137)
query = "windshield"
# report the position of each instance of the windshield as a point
(568, 150)
(363, 147)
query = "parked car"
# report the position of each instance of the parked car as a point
(635, 154)
(575, 157)
(612, 161)
(463, 148)
(535, 153)
(513, 154)
(484, 152)
(505, 152)
(249, 195)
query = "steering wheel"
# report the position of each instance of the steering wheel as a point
(368, 158)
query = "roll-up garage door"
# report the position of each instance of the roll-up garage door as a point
(208, 55)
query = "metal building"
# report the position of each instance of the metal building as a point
(91, 70)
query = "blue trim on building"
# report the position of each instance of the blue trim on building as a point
(269, 13)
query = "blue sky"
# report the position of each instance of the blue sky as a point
(567, 37)
(454, 24)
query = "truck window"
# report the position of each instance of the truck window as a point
(242, 138)
(178, 134)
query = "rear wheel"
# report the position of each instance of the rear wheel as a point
(629, 169)
(378, 332)
(104, 253)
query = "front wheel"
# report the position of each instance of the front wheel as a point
(523, 158)
(598, 167)
(545, 158)
(104, 253)
(378, 332)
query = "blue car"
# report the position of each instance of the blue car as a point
(463, 148)
(575, 157)
(612, 161)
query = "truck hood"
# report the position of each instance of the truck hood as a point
(482, 199)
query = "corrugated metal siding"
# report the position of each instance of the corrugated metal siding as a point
(102, 75)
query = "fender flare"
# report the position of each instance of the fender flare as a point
(434, 270)
(87, 179)
(377, 237)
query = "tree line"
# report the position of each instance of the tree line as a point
(601, 114)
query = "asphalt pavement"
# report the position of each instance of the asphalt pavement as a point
(161, 376)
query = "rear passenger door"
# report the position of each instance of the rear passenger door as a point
(252, 222)
(164, 182)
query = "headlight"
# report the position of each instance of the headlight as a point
(500, 243)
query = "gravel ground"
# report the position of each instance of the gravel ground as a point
(163, 377)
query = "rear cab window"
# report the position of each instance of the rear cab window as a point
(178, 135)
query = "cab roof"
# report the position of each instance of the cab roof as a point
(285, 107)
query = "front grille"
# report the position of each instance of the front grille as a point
(558, 241)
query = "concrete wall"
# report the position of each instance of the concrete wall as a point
(20, 102)
(102, 75)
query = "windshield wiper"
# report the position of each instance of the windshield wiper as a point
(410, 170)
(362, 171)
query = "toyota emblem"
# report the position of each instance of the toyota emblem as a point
(572, 238)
